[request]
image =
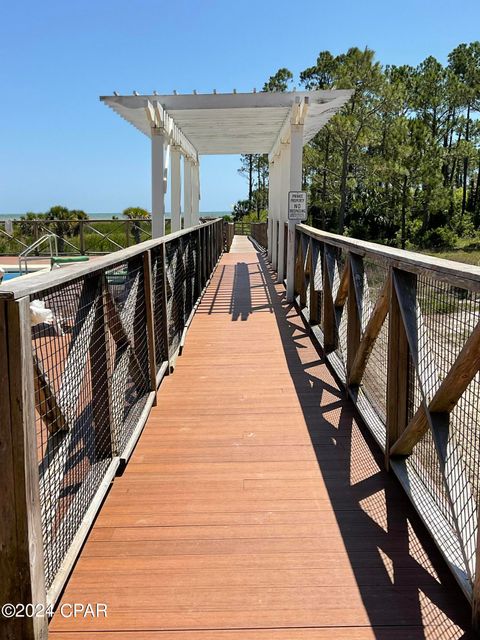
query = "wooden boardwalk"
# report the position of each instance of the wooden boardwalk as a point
(255, 506)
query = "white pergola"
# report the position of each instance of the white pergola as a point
(274, 123)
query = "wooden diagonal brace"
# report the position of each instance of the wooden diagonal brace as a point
(120, 336)
(370, 335)
(448, 394)
(342, 292)
(46, 401)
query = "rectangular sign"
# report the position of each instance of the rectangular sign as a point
(297, 206)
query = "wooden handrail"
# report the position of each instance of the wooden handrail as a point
(62, 385)
(19, 287)
(407, 392)
(459, 274)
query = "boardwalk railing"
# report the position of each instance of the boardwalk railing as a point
(258, 232)
(75, 237)
(82, 352)
(402, 332)
(228, 233)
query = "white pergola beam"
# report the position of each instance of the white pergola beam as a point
(229, 123)
(176, 189)
(297, 115)
(159, 118)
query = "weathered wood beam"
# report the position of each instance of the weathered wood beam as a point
(457, 274)
(21, 559)
(315, 282)
(121, 337)
(50, 279)
(330, 331)
(398, 365)
(354, 306)
(300, 274)
(343, 287)
(462, 372)
(46, 401)
(101, 370)
(149, 312)
(372, 330)
(405, 287)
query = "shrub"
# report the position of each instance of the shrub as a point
(439, 238)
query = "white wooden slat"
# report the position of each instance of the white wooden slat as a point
(231, 123)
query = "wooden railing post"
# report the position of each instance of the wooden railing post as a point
(476, 585)
(36, 231)
(149, 313)
(204, 254)
(300, 288)
(329, 324)
(164, 302)
(206, 238)
(315, 296)
(398, 369)
(81, 230)
(198, 266)
(21, 559)
(127, 233)
(354, 308)
(210, 252)
(101, 370)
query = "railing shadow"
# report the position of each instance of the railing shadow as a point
(239, 290)
(399, 572)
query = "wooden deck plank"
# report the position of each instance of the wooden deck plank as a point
(332, 633)
(254, 505)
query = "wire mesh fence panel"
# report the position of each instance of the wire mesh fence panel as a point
(190, 261)
(317, 276)
(159, 306)
(73, 436)
(127, 347)
(376, 369)
(341, 312)
(423, 407)
(449, 316)
(424, 457)
(93, 332)
(464, 445)
(175, 272)
(308, 268)
(258, 232)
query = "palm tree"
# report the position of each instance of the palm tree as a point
(64, 222)
(133, 213)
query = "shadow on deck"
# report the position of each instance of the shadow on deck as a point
(255, 504)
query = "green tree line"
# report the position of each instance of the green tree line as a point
(400, 163)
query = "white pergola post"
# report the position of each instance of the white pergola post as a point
(158, 185)
(283, 193)
(176, 189)
(296, 152)
(195, 193)
(187, 193)
(271, 220)
(274, 206)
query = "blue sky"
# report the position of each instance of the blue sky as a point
(60, 145)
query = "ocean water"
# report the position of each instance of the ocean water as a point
(107, 216)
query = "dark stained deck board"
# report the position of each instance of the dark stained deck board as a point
(255, 505)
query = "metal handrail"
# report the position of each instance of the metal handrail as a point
(24, 256)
